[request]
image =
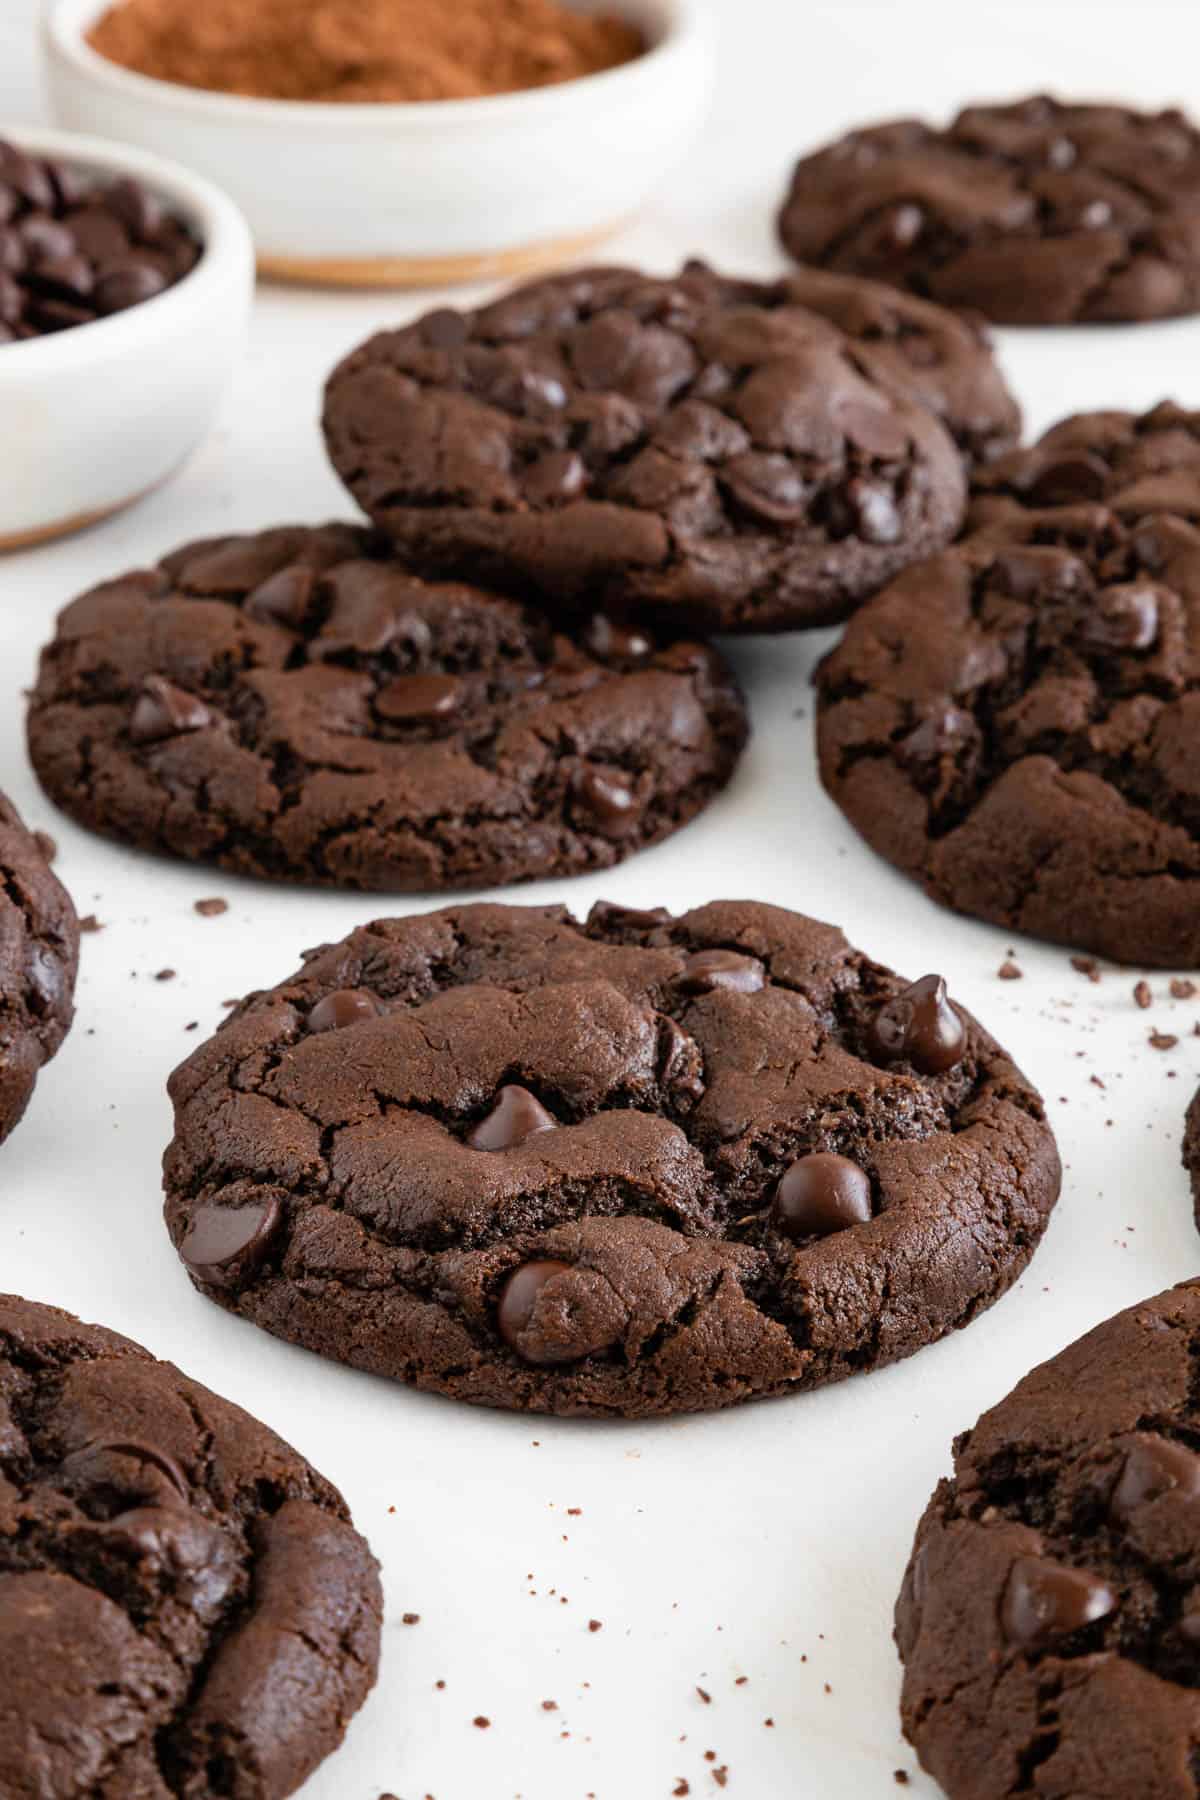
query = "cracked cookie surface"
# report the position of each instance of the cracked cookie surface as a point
(39, 957)
(297, 705)
(1035, 213)
(1016, 723)
(639, 1165)
(712, 452)
(1049, 1621)
(185, 1608)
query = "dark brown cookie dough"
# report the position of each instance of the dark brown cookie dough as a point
(185, 1607)
(1016, 723)
(297, 705)
(642, 1165)
(1036, 213)
(712, 452)
(39, 956)
(1049, 1621)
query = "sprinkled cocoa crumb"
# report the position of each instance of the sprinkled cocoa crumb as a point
(1143, 995)
(1162, 1040)
(901, 1777)
(707, 1698)
(549, 1705)
(1182, 988)
(46, 845)
(165, 975)
(595, 1624)
(439, 1684)
(741, 1681)
(211, 909)
(721, 1775)
(710, 1756)
(769, 1723)
(480, 1723)
(828, 1689)
(90, 922)
(682, 1786)
(410, 1618)
(1096, 1081)
(1008, 971)
(1086, 965)
(574, 1512)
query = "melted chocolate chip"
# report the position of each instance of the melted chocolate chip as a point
(225, 1245)
(163, 710)
(516, 1115)
(821, 1194)
(611, 641)
(89, 1464)
(283, 598)
(1122, 618)
(708, 970)
(607, 798)
(921, 1027)
(419, 699)
(1069, 480)
(346, 1006)
(518, 1299)
(606, 915)
(1153, 1467)
(1045, 1600)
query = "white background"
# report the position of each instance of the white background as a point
(768, 1542)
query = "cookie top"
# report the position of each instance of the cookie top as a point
(1017, 722)
(1036, 213)
(298, 706)
(1049, 1621)
(185, 1607)
(39, 957)
(639, 1165)
(715, 452)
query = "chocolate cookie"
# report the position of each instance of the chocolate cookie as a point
(185, 1607)
(1049, 1621)
(39, 956)
(298, 706)
(1036, 213)
(642, 1165)
(1016, 723)
(712, 452)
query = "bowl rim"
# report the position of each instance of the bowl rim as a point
(65, 21)
(226, 249)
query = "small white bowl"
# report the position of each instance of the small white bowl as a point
(96, 416)
(414, 195)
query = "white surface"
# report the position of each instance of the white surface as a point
(738, 1544)
(370, 182)
(141, 388)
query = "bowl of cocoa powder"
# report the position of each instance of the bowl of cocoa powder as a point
(398, 142)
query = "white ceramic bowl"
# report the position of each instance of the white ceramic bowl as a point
(414, 194)
(96, 416)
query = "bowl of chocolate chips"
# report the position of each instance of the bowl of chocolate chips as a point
(125, 293)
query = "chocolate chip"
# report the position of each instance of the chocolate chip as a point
(211, 909)
(518, 1302)
(921, 1027)
(708, 970)
(136, 208)
(88, 1464)
(45, 241)
(1045, 1600)
(1153, 1467)
(1122, 618)
(419, 699)
(680, 1060)
(346, 1006)
(558, 476)
(283, 598)
(610, 641)
(608, 799)
(516, 1114)
(225, 1245)
(163, 710)
(821, 1194)
(128, 285)
(1069, 480)
(769, 486)
(606, 915)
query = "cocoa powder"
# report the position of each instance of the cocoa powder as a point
(362, 50)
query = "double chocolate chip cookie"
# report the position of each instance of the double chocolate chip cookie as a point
(639, 1165)
(1049, 1621)
(719, 454)
(185, 1607)
(1035, 213)
(1017, 722)
(297, 705)
(39, 956)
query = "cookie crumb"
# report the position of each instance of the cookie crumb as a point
(165, 975)
(1143, 995)
(1182, 988)
(1008, 971)
(1086, 965)
(549, 1705)
(480, 1723)
(595, 1624)
(574, 1512)
(741, 1681)
(721, 1775)
(682, 1786)
(1162, 1040)
(211, 909)
(900, 1777)
(707, 1698)
(90, 922)
(193, 1025)
(410, 1618)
